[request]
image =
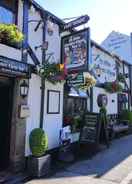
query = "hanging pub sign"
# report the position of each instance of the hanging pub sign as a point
(75, 79)
(14, 67)
(75, 51)
(77, 22)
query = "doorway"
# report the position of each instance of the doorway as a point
(6, 98)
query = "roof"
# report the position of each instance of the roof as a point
(93, 43)
(108, 52)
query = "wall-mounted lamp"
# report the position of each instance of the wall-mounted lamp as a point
(24, 87)
(126, 75)
(98, 71)
(50, 27)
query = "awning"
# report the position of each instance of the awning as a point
(77, 93)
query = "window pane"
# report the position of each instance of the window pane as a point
(6, 16)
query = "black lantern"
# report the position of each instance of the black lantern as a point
(24, 87)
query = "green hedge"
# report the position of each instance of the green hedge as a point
(38, 142)
(126, 115)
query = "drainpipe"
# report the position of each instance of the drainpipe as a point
(131, 73)
(42, 80)
(25, 30)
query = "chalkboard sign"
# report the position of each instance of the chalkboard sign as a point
(90, 130)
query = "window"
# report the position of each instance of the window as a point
(7, 11)
(73, 106)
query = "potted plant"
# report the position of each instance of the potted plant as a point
(52, 72)
(39, 161)
(126, 115)
(121, 77)
(113, 87)
(10, 34)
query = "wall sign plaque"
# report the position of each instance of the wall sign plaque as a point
(14, 67)
(24, 111)
(102, 100)
(75, 51)
(90, 130)
(75, 79)
(77, 22)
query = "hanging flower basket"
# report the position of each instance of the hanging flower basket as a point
(89, 81)
(113, 87)
(10, 34)
(52, 72)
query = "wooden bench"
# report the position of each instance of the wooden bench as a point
(118, 126)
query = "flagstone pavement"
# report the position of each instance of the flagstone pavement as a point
(110, 166)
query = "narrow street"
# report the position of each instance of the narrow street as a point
(111, 166)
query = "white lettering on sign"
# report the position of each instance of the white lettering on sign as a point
(103, 66)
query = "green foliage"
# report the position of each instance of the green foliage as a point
(103, 110)
(9, 33)
(126, 115)
(121, 77)
(113, 87)
(103, 115)
(38, 142)
(77, 120)
(52, 72)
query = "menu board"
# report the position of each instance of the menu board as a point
(90, 130)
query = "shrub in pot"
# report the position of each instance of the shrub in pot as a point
(39, 161)
(126, 115)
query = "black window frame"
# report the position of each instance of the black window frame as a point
(14, 11)
(75, 99)
(15, 20)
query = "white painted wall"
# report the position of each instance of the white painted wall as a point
(111, 106)
(107, 72)
(35, 38)
(34, 98)
(103, 62)
(10, 52)
(20, 14)
(54, 44)
(53, 122)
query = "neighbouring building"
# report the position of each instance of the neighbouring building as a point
(107, 68)
(120, 44)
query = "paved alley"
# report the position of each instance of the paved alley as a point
(111, 166)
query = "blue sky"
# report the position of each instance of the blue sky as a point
(105, 15)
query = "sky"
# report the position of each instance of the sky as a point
(105, 15)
